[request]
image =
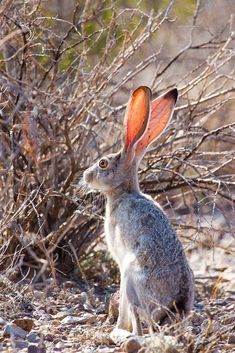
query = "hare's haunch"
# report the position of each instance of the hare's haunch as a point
(156, 280)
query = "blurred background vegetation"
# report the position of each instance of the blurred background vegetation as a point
(67, 69)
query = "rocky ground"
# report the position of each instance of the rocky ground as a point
(69, 317)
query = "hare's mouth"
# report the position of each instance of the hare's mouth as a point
(90, 180)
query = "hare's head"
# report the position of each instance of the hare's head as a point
(144, 122)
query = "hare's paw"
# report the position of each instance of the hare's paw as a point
(119, 335)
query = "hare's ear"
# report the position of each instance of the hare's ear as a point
(136, 118)
(161, 112)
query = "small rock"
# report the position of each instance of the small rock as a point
(119, 336)
(56, 340)
(231, 339)
(56, 323)
(32, 348)
(69, 284)
(162, 343)
(49, 337)
(228, 320)
(199, 306)
(33, 337)
(101, 317)
(55, 332)
(70, 320)
(61, 314)
(26, 324)
(46, 317)
(84, 296)
(87, 306)
(2, 322)
(83, 319)
(103, 349)
(113, 308)
(59, 346)
(42, 315)
(39, 313)
(196, 330)
(14, 330)
(197, 319)
(230, 308)
(21, 344)
(131, 345)
(65, 309)
(221, 302)
(88, 318)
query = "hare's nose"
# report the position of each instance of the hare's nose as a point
(88, 176)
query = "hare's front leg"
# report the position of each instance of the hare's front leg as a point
(124, 317)
(124, 327)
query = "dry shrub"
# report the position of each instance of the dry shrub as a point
(66, 72)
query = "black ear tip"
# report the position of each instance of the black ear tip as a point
(174, 94)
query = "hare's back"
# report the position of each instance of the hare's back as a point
(147, 231)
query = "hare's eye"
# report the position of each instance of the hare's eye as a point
(103, 163)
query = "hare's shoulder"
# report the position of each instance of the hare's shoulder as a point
(134, 216)
(140, 206)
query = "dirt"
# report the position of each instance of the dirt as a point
(69, 317)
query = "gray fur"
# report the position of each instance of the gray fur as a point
(155, 275)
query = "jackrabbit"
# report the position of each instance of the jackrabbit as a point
(156, 279)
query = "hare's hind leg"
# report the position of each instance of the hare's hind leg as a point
(136, 323)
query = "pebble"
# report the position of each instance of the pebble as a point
(163, 343)
(221, 302)
(61, 314)
(197, 319)
(57, 340)
(55, 323)
(230, 307)
(70, 320)
(32, 348)
(21, 344)
(49, 337)
(60, 346)
(2, 322)
(231, 339)
(84, 296)
(69, 284)
(26, 324)
(42, 315)
(65, 308)
(85, 318)
(33, 337)
(14, 330)
(229, 320)
(199, 306)
(131, 345)
(39, 312)
(113, 309)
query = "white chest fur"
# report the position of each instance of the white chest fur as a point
(116, 245)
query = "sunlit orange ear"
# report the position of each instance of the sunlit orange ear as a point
(161, 112)
(137, 115)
